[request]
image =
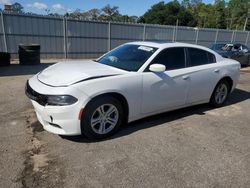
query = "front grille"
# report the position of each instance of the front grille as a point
(33, 95)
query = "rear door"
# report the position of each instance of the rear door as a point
(163, 91)
(203, 74)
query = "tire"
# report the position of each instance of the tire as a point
(92, 114)
(222, 85)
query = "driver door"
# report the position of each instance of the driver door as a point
(167, 90)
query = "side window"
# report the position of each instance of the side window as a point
(200, 57)
(172, 58)
(211, 58)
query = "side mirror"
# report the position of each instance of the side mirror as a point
(157, 68)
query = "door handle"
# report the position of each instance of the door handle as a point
(217, 70)
(185, 77)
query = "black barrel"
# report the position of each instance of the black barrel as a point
(29, 54)
(4, 59)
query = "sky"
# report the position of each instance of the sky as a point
(129, 7)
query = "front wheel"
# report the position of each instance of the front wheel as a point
(220, 94)
(102, 117)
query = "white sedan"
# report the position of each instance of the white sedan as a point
(132, 81)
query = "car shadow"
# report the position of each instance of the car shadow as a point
(237, 96)
(18, 70)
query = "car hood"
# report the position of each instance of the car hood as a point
(71, 72)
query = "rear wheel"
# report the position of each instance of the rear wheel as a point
(102, 117)
(220, 93)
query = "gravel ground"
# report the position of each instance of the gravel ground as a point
(193, 147)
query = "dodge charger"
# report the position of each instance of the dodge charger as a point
(132, 81)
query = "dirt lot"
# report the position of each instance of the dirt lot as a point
(192, 147)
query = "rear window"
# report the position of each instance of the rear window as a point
(200, 57)
(211, 58)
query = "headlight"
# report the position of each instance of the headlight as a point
(60, 100)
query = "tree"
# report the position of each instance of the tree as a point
(238, 12)
(47, 10)
(231, 14)
(76, 14)
(168, 14)
(17, 7)
(220, 14)
(126, 18)
(93, 14)
(195, 3)
(185, 3)
(109, 13)
(133, 19)
(248, 25)
(210, 16)
(155, 15)
(54, 14)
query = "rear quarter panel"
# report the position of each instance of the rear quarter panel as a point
(230, 68)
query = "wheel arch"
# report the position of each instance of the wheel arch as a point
(121, 98)
(229, 80)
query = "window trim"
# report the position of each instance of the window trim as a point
(152, 62)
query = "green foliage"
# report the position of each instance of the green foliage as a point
(168, 14)
(185, 3)
(238, 11)
(195, 3)
(222, 15)
(107, 13)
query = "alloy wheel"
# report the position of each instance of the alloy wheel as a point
(104, 119)
(221, 93)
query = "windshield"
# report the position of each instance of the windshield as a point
(128, 57)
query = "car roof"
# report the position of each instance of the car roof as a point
(167, 44)
(155, 44)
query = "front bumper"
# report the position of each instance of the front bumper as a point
(58, 120)
(62, 120)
